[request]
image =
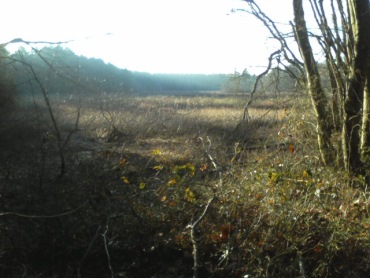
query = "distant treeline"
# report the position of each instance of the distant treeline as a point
(62, 71)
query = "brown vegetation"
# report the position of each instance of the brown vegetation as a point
(140, 170)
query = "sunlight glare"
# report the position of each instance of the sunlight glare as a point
(167, 36)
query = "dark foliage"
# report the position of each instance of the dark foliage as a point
(64, 70)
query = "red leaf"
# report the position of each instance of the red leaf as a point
(225, 231)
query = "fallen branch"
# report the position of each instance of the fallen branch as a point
(192, 228)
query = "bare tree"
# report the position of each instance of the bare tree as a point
(315, 90)
(61, 142)
(358, 76)
(345, 43)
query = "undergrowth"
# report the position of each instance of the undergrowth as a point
(140, 170)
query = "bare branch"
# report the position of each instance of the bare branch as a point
(19, 40)
(192, 228)
(88, 249)
(104, 235)
(44, 216)
(275, 32)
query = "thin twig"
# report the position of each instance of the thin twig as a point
(192, 228)
(46, 98)
(90, 246)
(259, 77)
(44, 216)
(106, 248)
(206, 150)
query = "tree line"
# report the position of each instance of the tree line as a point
(59, 65)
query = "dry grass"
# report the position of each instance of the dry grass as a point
(278, 211)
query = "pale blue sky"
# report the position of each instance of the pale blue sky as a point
(181, 36)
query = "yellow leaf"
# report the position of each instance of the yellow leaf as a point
(307, 174)
(156, 152)
(142, 185)
(172, 182)
(274, 178)
(164, 198)
(191, 167)
(158, 167)
(125, 180)
(189, 196)
(122, 162)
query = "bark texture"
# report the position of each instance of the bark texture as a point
(317, 94)
(359, 13)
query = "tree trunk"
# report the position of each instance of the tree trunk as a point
(360, 26)
(318, 98)
(364, 147)
(337, 101)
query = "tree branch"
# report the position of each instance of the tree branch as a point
(193, 237)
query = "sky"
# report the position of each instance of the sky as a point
(156, 36)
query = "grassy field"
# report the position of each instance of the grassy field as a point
(141, 170)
